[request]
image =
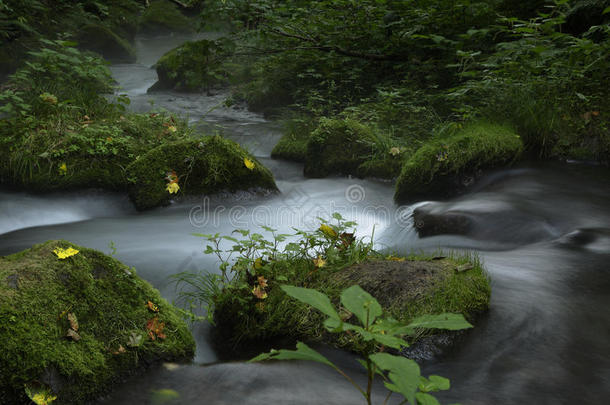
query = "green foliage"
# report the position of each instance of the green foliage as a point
(246, 303)
(38, 291)
(193, 66)
(163, 16)
(401, 375)
(410, 68)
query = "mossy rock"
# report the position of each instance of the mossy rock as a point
(405, 288)
(388, 168)
(100, 39)
(290, 147)
(164, 17)
(203, 166)
(109, 302)
(338, 146)
(193, 66)
(449, 166)
(266, 97)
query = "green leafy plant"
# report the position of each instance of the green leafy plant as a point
(401, 375)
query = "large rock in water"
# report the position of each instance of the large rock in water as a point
(445, 167)
(74, 326)
(202, 166)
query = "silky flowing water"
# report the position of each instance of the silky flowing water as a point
(542, 231)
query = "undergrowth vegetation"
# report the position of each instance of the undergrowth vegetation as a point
(62, 130)
(414, 71)
(246, 304)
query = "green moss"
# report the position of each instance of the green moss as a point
(293, 144)
(338, 146)
(163, 16)
(405, 289)
(95, 155)
(193, 66)
(205, 165)
(102, 40)
(443, 167)
(37, 290)
(387, 168)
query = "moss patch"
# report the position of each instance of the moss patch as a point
(445, 167)
(102, 40)
(205, 165)
(163, 17)
(38, 290)
(193, 66)
(337, 146)
(405, 289)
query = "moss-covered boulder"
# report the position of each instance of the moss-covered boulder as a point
(406, 288)
(193, 66)
(102, 40)
(337, 146)
(77, 325)
(206, 165)
(164, 17)
(448, 166)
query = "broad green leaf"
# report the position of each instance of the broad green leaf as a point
(434, 383)
(404, 373)
(362, 304)
(426, 399)
(441, 321)
(303, 352)
(314, 298)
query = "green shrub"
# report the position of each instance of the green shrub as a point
(446, 166)
(163, 16)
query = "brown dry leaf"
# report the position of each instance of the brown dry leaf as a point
(262, 281)
(155, 328)
(71, 334)
(73, 321)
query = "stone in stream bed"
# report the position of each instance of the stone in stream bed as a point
(405, 288)
(202, 166)
(110, 327)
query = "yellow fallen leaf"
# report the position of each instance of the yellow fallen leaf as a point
(172, 128)
(394, 151)
(249, 164)
(172, 188)
(319, 262)
(152, 307)
(328, 231)
(40, 395)
(259, 293)
(63, 169)
(64, 253)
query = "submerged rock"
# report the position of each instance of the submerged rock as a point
(77, 325)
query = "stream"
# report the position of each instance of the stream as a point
(541, 230)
